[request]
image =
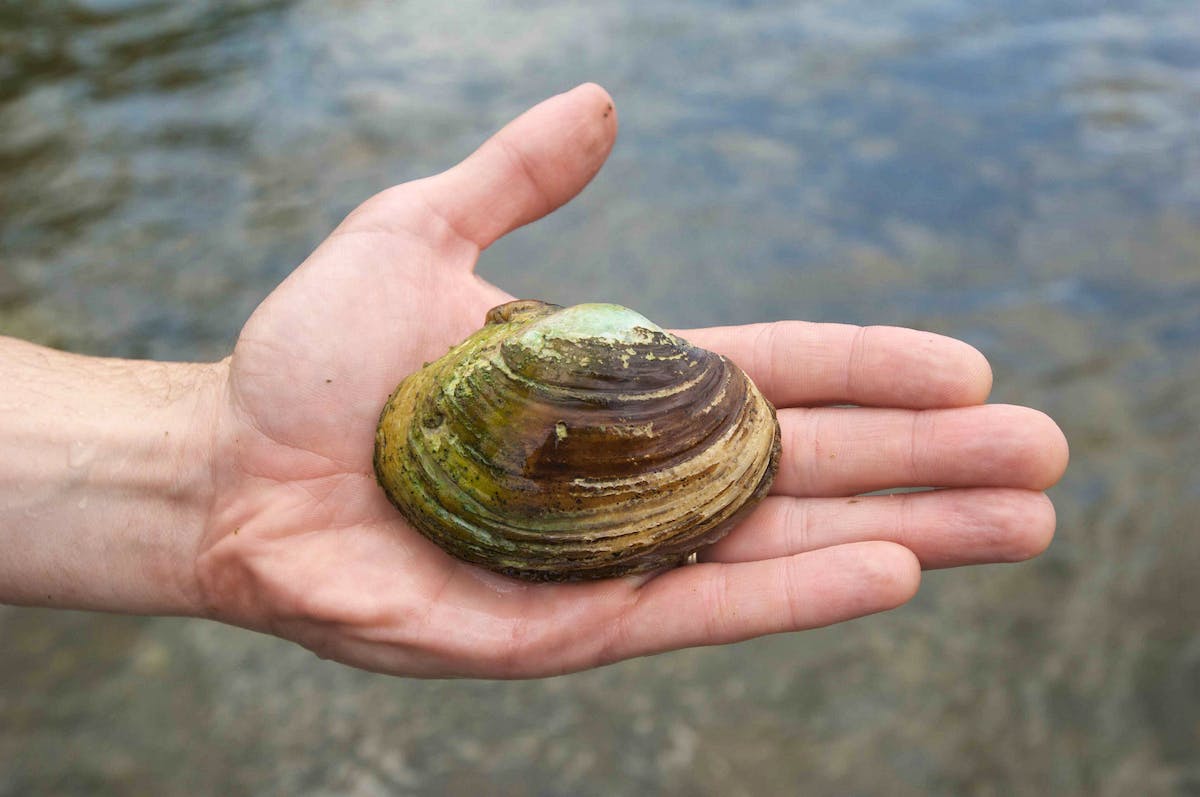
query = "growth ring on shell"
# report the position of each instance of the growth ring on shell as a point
(575, 443)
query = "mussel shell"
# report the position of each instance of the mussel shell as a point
(575, 443)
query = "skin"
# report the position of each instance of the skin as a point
(242, 491)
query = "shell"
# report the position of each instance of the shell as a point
(575, 443)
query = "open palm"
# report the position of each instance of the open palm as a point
(302, 542)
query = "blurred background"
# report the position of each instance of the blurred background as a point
(1023, 174)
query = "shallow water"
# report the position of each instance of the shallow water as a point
(1024, 175)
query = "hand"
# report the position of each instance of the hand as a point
(302, 542)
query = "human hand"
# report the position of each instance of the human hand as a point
(302, 543)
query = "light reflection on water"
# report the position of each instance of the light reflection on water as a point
(1024, 175)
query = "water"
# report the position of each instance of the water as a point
(1024, 175)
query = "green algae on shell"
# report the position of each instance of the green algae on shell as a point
(575, 443)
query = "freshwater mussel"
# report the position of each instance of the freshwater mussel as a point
(575, 443)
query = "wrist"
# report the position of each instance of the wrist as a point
(166, 488)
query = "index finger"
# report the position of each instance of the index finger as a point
(798, 363)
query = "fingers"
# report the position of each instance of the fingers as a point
(712, 604)
(800, 363)
(944, 528)
(838, 452)
(532, 166)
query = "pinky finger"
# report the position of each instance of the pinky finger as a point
(713, 604)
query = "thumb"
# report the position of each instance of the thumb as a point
(534, 165)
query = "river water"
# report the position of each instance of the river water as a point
(1022, 174)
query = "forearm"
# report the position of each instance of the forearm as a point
(105, 479)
